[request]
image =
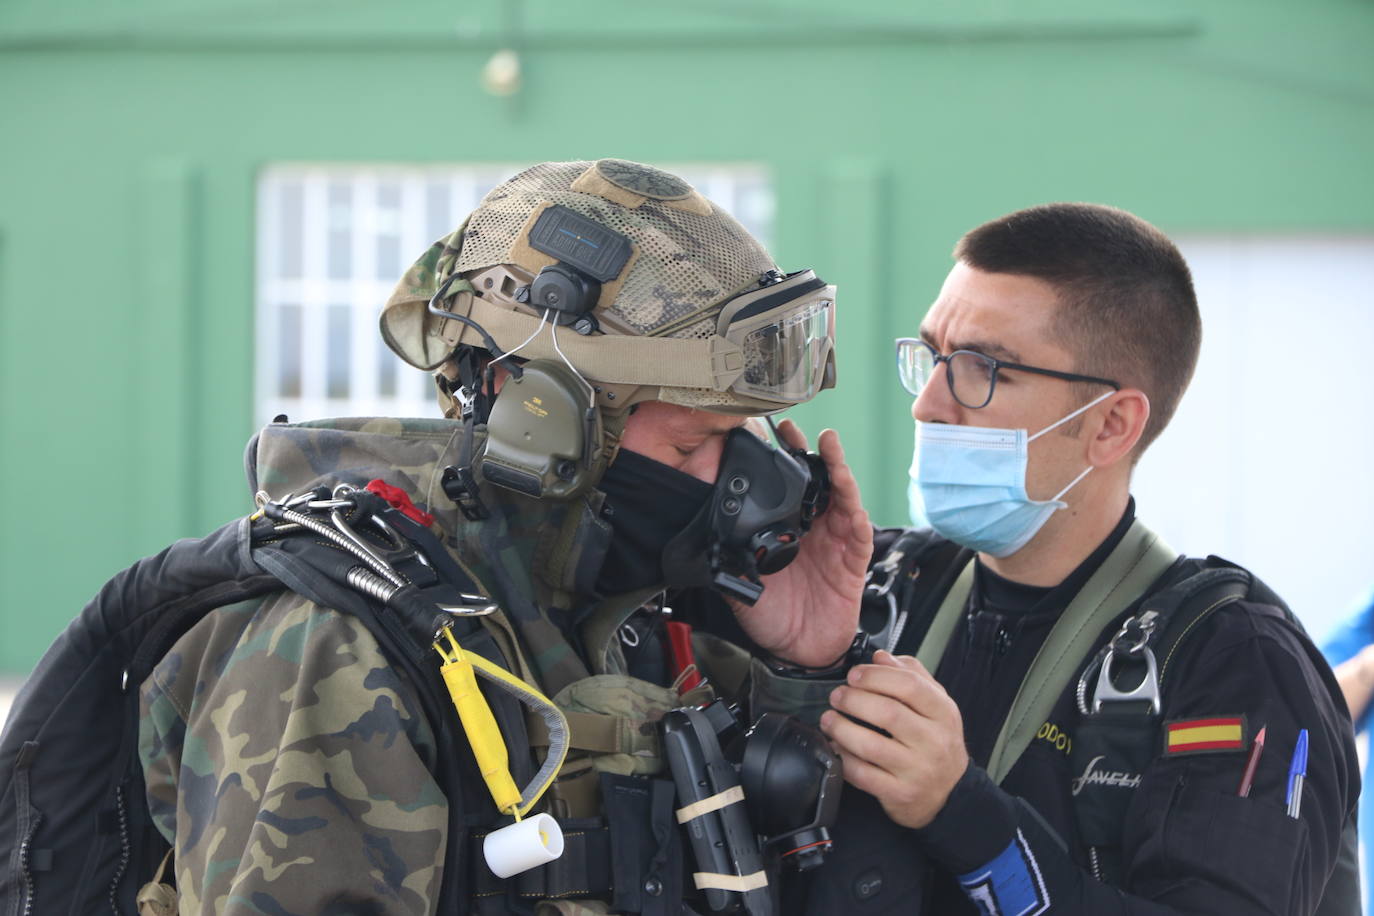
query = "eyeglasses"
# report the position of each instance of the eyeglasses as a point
(972, 376)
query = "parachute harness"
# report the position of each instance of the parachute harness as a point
(376, 577)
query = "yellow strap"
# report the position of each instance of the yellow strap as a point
(741, 883)
(695, 810)
(488, 745)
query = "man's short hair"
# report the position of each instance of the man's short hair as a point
(1127, 310)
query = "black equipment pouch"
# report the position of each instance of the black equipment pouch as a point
(634, 857)
(646, 848)
(1110, 752)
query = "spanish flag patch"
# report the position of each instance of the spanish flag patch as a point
(1201, 736)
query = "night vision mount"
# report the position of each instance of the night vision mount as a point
(588, 255)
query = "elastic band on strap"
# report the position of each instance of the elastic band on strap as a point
(707, 805)
(706, 880)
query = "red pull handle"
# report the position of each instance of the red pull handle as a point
(680, 653)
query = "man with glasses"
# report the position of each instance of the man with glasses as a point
(1056, 352)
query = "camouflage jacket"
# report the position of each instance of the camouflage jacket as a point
(290, 766)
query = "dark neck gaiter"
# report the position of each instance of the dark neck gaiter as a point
(651, 503)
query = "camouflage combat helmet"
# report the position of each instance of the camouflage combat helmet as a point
(688, 307)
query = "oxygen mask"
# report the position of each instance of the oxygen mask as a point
(763, 502)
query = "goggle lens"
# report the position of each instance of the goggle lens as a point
(786, 359)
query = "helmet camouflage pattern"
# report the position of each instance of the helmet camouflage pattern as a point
(687, 257)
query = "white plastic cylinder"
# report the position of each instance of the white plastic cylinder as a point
(523, 845)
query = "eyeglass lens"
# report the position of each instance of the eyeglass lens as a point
(971, 375)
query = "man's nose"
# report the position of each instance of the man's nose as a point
(935, 403)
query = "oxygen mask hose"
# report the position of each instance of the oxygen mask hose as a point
(526, 843)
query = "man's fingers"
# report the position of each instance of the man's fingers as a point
(846, 517)
(892, 716)
(915, 689)
(832, 452)
(866, 777)
(857, 740)
(909, 662)
(791, 434)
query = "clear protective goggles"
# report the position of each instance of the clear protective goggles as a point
(786, 332)
(774, 345)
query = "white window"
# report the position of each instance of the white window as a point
(332, 242)
(1267, 462)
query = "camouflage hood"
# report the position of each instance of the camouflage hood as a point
(530, 556)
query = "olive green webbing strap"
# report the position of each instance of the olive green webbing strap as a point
(932, 648)
(1130, 569)
(1137, 561)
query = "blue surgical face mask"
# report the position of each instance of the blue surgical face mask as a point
(969, 484)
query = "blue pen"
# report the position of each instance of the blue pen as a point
(1297, 772)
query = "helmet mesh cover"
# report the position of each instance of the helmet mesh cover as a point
(687, 262)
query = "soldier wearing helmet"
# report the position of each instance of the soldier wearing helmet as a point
(599, 334)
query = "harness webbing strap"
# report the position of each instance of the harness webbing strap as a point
(932, 648)
(1137, 561)
(602, 734)
(1131, 567)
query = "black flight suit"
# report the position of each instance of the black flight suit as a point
(1191, 845)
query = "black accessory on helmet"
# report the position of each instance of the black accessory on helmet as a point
(588, 253)
(582, 243)
(568, 294)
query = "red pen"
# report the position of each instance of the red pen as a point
(1251, 763)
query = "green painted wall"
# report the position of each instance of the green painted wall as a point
(132, 134)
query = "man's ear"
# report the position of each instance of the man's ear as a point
(1123, 423)
(499, 374)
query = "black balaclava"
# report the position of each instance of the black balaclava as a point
(651, 504)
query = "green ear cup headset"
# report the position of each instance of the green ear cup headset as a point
(545, 433)
(544, 438)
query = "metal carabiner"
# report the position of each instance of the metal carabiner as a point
(1147, 691)
(888, 566)
(457, 610)
(1131, 641)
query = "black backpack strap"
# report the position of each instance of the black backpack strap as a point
(912, 569)
(81, 704)
(1120, 695)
